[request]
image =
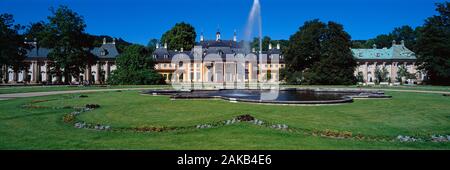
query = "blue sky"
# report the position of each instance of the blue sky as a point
(138, 21)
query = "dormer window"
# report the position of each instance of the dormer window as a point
(103, 52)
(378, 54)
(166, 56)
(154, 56)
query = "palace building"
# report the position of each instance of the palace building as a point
(37, 68)
(210, 61)
(391, 59)
(218, 61)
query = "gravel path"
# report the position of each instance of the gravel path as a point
(34, 94)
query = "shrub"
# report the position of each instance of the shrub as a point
(69, 118)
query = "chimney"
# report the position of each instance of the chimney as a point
(270, 46)
(374, 46)
(182, 49)
(403, 42)
(253, 50)
(278, 46)
(165, 45)
(157, 45)
(104, 40)
(114, 41)
(394, 42)
(235, 36)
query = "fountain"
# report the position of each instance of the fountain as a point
(254, 16)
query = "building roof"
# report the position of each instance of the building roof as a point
(105, 51)
(397, 51)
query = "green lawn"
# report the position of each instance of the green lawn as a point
(25, 89)
(414, 114)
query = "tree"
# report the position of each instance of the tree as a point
(360, 77)
(402, 72)
(12, 49)
(381, 75)
(97, 41)
(407, 34)
(322, 53)
(152, 44)
(36, 31)
(336, 64)
(70, 44)
(433, 46)
(304, 46)
(135, 66)
(291, 77)
(383, 40)
(360, 44)
(182, 35)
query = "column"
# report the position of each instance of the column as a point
(48, 78)
(38, 73)
(88, 74)
(107, 70)
(15, 76)
(250, 72)
(202, 71)
(224, 78)
(373, 71)
(25, 74)
(97, 73)
(34, 72)
(365, 72)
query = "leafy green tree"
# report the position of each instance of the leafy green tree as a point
(360, 77)
(322, 53)
(97, 41)
(36, 31)
(65, 34)
(381, 41)
(265, 43)
(360, 44)
(182, 35)
(381, 75)
(290, 77)
(433, 46)
(407, 34)
(305, 46)
(336, 64)
(135, 66)
(12, 49)
(402, 72)
(152, 44)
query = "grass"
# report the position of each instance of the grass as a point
(414, 114)
(26, 89)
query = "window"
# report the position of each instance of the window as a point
(165, 65)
